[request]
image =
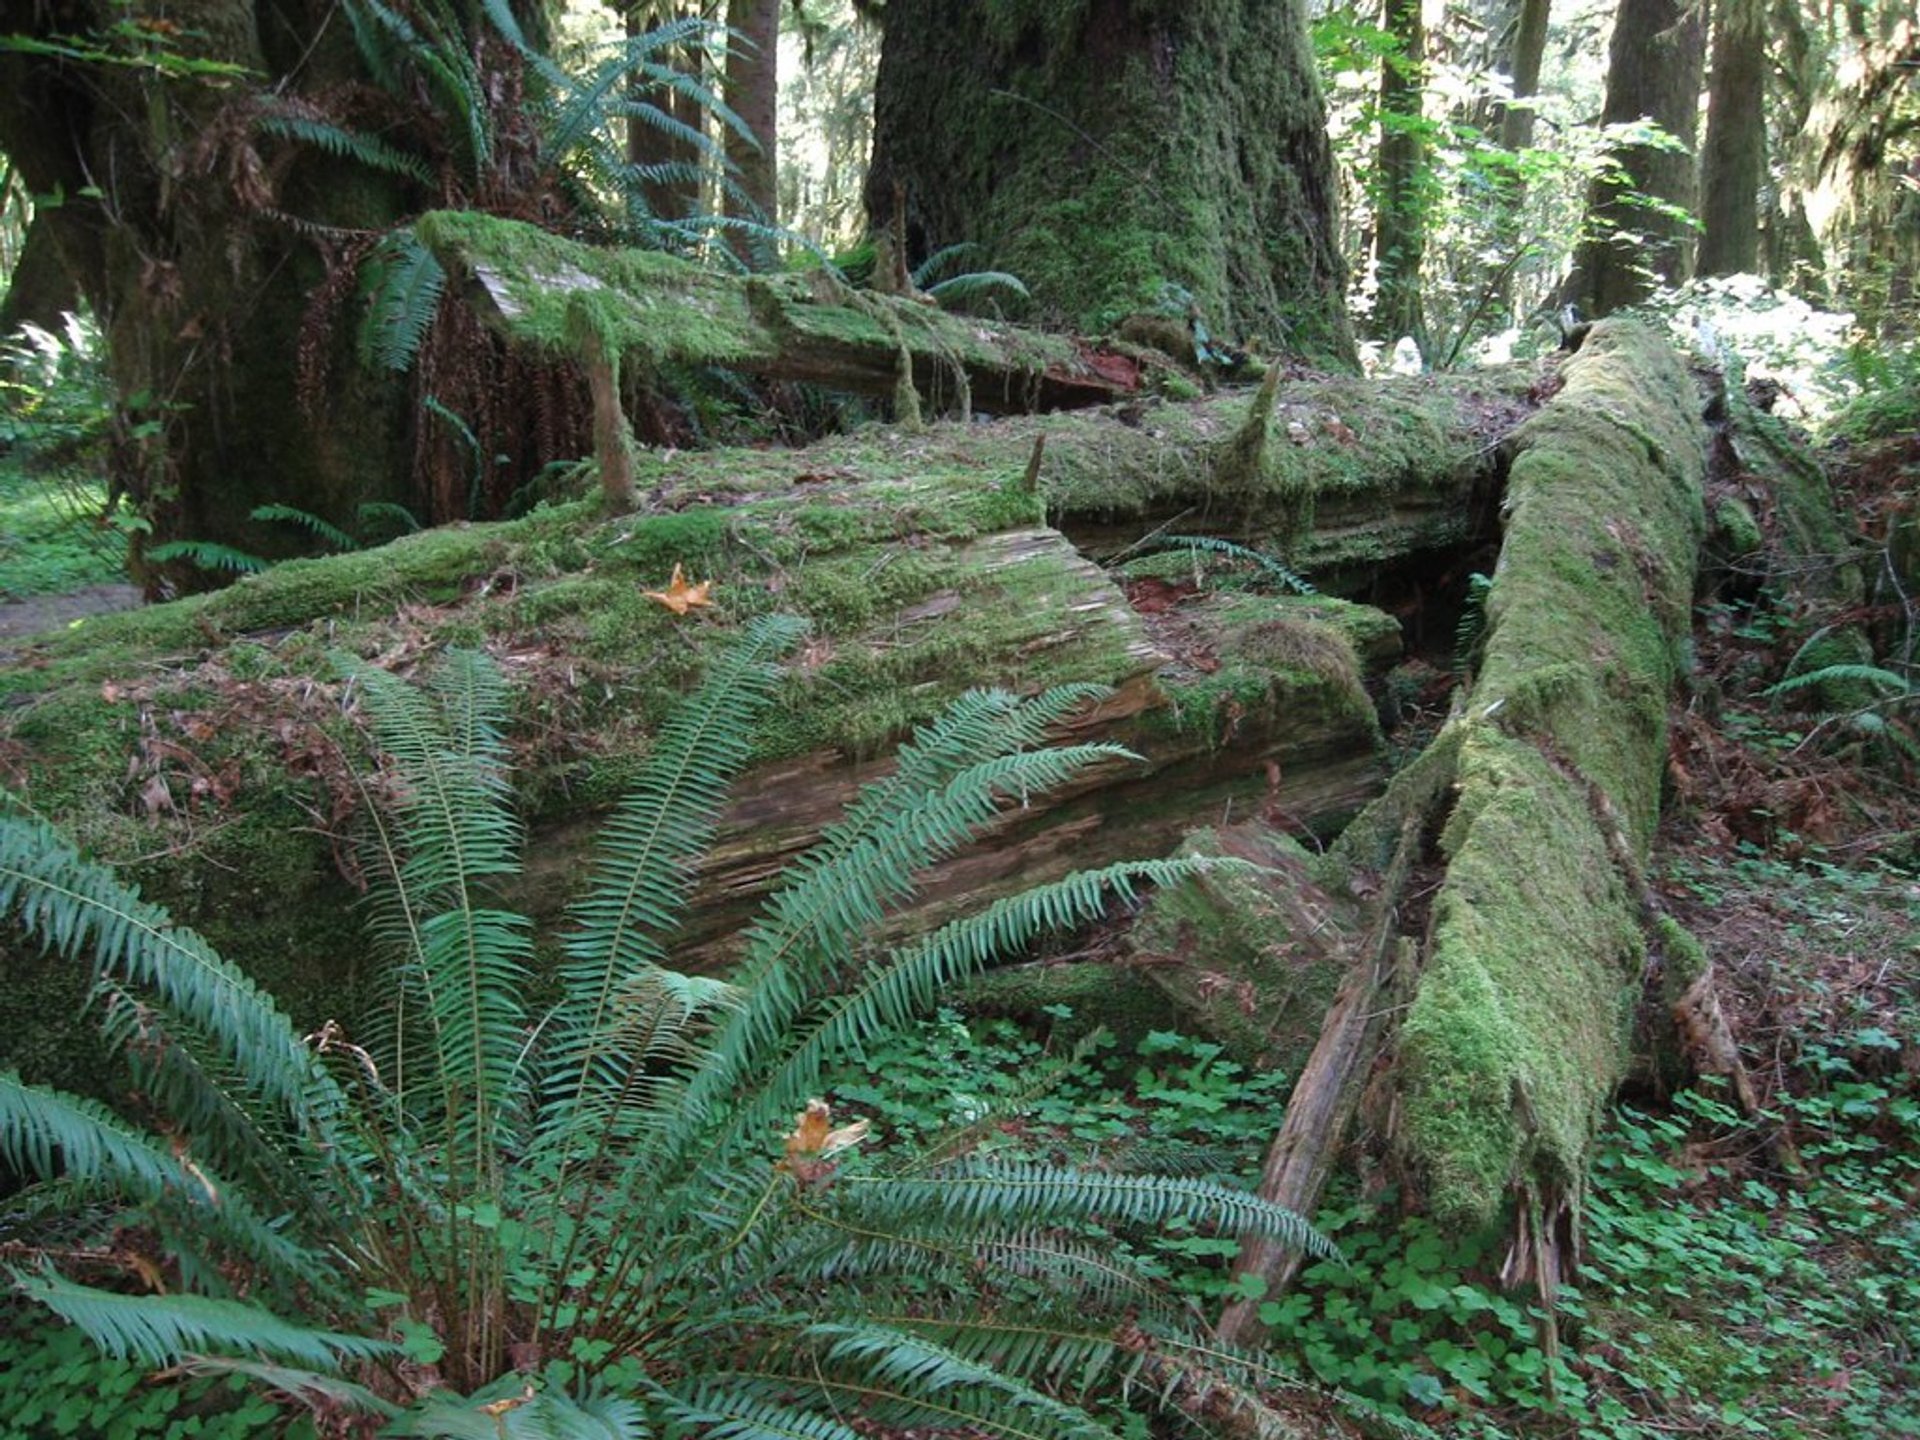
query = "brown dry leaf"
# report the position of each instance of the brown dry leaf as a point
(679, 596)
(814, 1141)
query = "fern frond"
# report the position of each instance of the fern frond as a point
(347, 144)
(825, 906)
(404, 282)
(550, 1415)
(986, 1194)
(715, 1409)
(306, 519)
(641, 877)
(325, 1394)
(79, 908)
(167, 1329)
(208, 555)
(1845, 675)
(1274, 569)
(963, 289)
(975, 1394)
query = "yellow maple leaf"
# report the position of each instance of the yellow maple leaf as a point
(679, 596)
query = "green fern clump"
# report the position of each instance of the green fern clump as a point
(625, 1211)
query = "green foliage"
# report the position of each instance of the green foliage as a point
(56, 413)
(1887, 402)
(940, 276)
(55, 1382)
(1262, 569)
(581, 1205)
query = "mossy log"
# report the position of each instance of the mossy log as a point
(1538, 803)
(201, 744)
(654, 310)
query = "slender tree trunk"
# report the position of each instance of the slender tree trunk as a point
(1529, 48)
(1120, 156)
(1653, 73)
(676, 194)
(1733, 160)
(1399, 236)
(41, 287)
(753, 92)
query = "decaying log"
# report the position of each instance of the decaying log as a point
(658, 310)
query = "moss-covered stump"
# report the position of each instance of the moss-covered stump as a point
(1518, 1032)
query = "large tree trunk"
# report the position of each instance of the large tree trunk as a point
(1653, 73)
(753, 94)
(1120, 157)
(1733, 160)
(199, 295)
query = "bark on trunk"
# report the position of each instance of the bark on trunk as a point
(1122, 157)
(1733, 160)
(753, 93)
(1399, 235)
(199, 297)
(1653, 73)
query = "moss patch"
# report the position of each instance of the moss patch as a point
(1518, 1035)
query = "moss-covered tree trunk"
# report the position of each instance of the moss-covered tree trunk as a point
(1733, 160)
(1120, 157)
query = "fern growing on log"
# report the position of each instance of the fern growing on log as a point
(473, 1215)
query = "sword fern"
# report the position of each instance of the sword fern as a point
(478, 1216)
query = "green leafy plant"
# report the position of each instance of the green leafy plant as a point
(475, 1217)
(1264, 568)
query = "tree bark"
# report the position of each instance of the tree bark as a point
(1399, 233)
(1733, 160)
(199, 296)
(1121, 157)
(1653, 73)
(753, 93)
(40, 288)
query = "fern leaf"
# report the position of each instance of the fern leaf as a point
(79, 908)
(292, 514)
(167, 1329)
(640, 882)
(987, 1194)
(1844, 674)
(405, 283)
(369, 150)
(208, 555)
(964, 289)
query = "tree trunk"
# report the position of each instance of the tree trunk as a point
(1120, 157)
(1632, 245)
(201, 297)
(753, 93)
(1523, 65)
(40, 289)
(1733, 160)
(1399, 231)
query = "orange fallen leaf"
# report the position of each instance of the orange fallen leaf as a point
(679, 596)
(813, 1141)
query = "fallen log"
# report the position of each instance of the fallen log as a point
(652, 310)
(1529, 957)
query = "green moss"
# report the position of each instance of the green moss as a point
(1519, 1031)
(1739, 532)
